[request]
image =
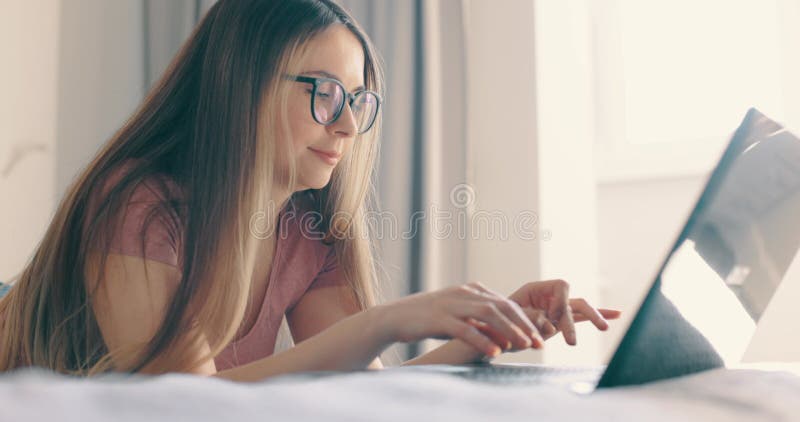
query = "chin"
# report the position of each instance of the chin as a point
(317, 182)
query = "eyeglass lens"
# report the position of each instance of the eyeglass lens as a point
(329, 100)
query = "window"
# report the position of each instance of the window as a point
(673, 79)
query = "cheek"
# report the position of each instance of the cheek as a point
(348, 148)
(296, 114)
(301, 123)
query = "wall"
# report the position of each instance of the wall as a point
(637, 223)
(101, 78)
(29, 47)
(73, 75)
(502, 139)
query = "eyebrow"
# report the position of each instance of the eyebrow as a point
(332, 76)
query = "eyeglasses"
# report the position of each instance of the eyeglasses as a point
(328, 97)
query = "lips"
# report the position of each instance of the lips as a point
(332, 154)
(330, 157)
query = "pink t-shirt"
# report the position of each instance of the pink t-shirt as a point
(301, 262)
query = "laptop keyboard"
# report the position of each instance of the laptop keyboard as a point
(529, 374)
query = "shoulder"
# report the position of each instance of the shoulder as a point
(151, 187)
(147, 191)
(150, 223)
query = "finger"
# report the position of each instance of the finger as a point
(533, 338)
(513, 312)
(609, 313)
(560, 312)
(523, 333)
(579, 317)
(560, 300)
(469, 290)
(567, 327)
(511, 325)
(499, 339)
(539, 318)
(606, 313)
(535, 293)
(588, 311)
(488, 331)
(487, 312)
(457, 328)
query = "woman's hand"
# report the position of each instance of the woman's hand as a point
(459, 312)
(548, 305)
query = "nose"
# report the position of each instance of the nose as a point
(345, 126)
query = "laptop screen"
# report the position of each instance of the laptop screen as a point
(731, 256)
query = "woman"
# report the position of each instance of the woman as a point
(235, 195)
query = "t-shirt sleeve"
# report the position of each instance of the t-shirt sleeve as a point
(147, 228)
(330, 275)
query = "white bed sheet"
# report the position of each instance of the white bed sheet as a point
(718, 395)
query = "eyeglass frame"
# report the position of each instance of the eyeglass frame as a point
(349, 98)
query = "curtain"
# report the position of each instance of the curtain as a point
(165, 26)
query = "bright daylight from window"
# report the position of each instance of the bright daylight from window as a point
(684, 59)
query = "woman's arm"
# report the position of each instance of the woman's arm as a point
(383, 322)
(132, 300)
(453, 352)
(318, 309)
(129, 307)
(355, 341)
(349, 344)
(327, 351)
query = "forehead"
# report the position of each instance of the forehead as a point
(338, 52)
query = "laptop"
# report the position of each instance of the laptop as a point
(706, 299)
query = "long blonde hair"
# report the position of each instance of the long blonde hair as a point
(215, 123)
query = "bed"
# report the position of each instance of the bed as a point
(768, 393)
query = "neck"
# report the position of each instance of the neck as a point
(278, 201)
(280, 197)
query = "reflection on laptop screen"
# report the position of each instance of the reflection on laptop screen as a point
(722, 272)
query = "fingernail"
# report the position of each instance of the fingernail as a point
(495, 351)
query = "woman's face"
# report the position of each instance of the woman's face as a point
(335, 53)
